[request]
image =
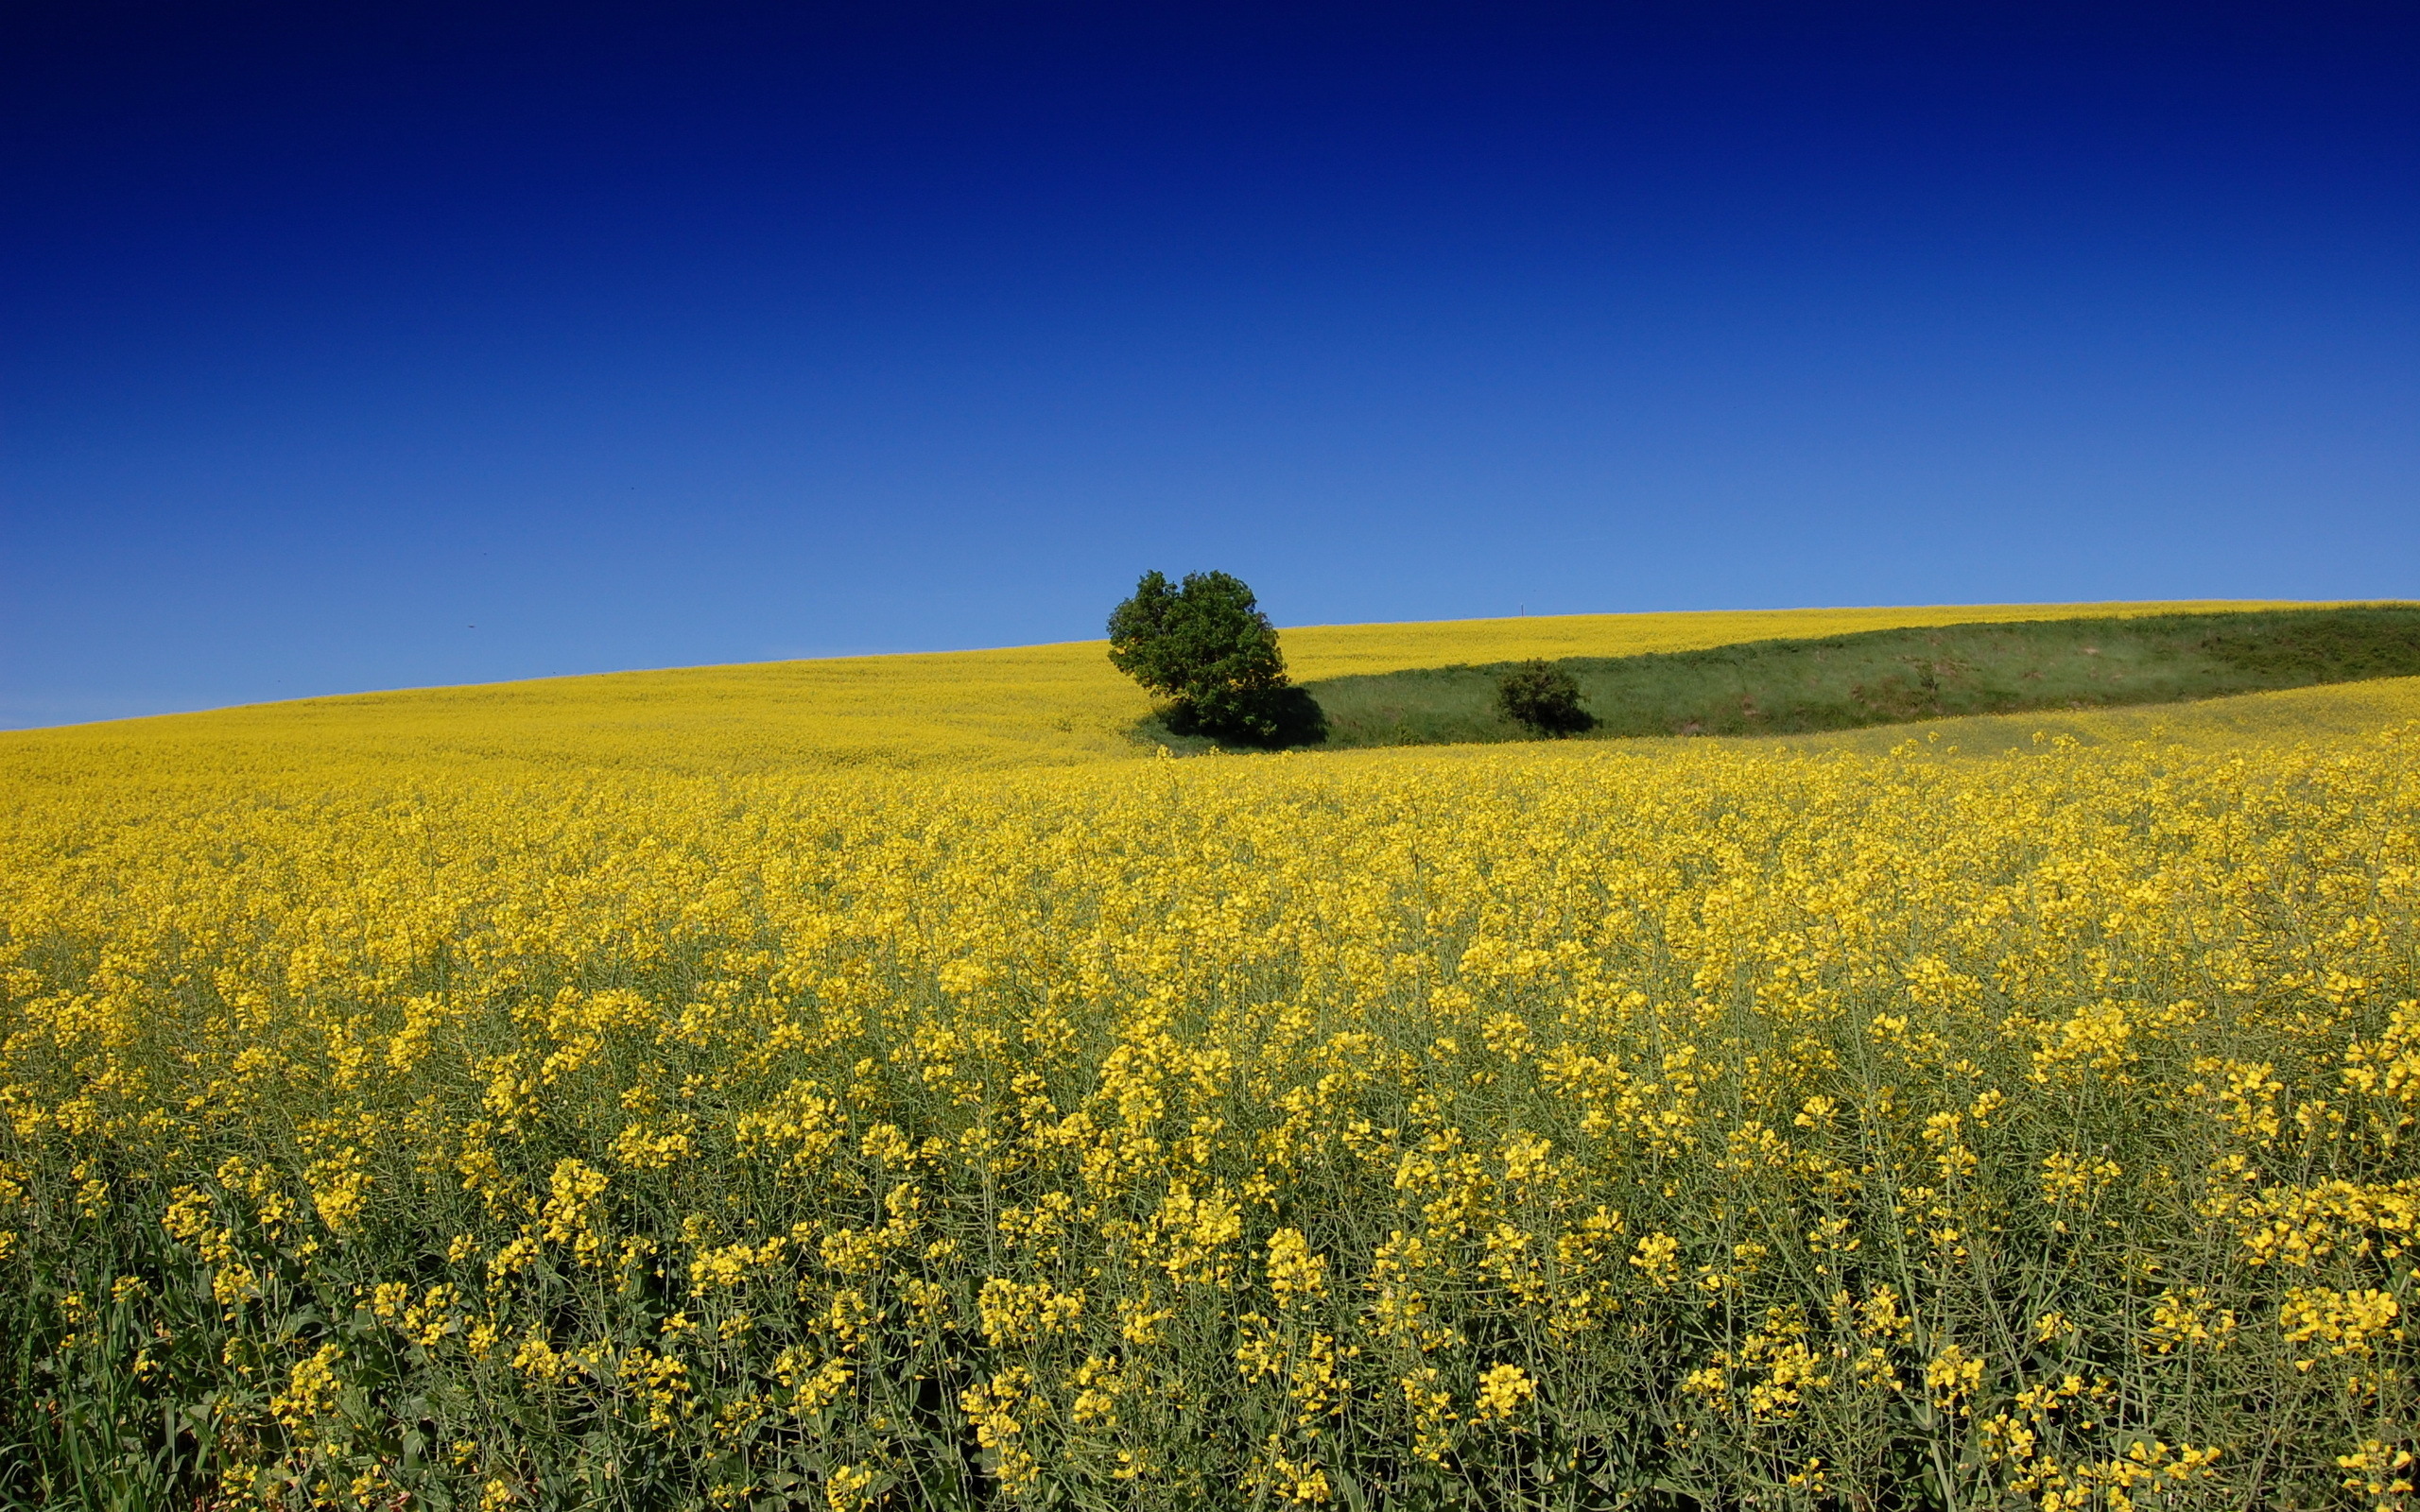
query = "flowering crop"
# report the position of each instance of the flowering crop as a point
(1058, 705)
(1701, 1124)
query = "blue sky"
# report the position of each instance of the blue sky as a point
(349, 348)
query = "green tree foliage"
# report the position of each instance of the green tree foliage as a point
(1543, 699)
(1206, 648)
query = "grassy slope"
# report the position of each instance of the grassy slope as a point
(1890, 676)
(2251, 719)
(1046, 704)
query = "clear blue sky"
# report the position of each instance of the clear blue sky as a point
(355, 347)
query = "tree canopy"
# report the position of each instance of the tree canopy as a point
(1205, 646)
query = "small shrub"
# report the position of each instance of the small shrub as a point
(1541, 698)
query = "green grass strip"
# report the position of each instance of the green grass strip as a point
(1789, 687)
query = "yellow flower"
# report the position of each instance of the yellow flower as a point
(1505, 1391)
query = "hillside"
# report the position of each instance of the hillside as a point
(882, 1084)
(1050, 705)
(1891, 677)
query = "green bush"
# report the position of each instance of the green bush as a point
(1206, 648)
(1541, 698)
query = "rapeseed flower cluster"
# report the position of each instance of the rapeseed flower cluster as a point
(1555, 1126)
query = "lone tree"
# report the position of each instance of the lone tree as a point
(1207, 649)
(1541, 698)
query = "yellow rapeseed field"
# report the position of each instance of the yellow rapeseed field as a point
(874, 1095)
(1021, 707)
